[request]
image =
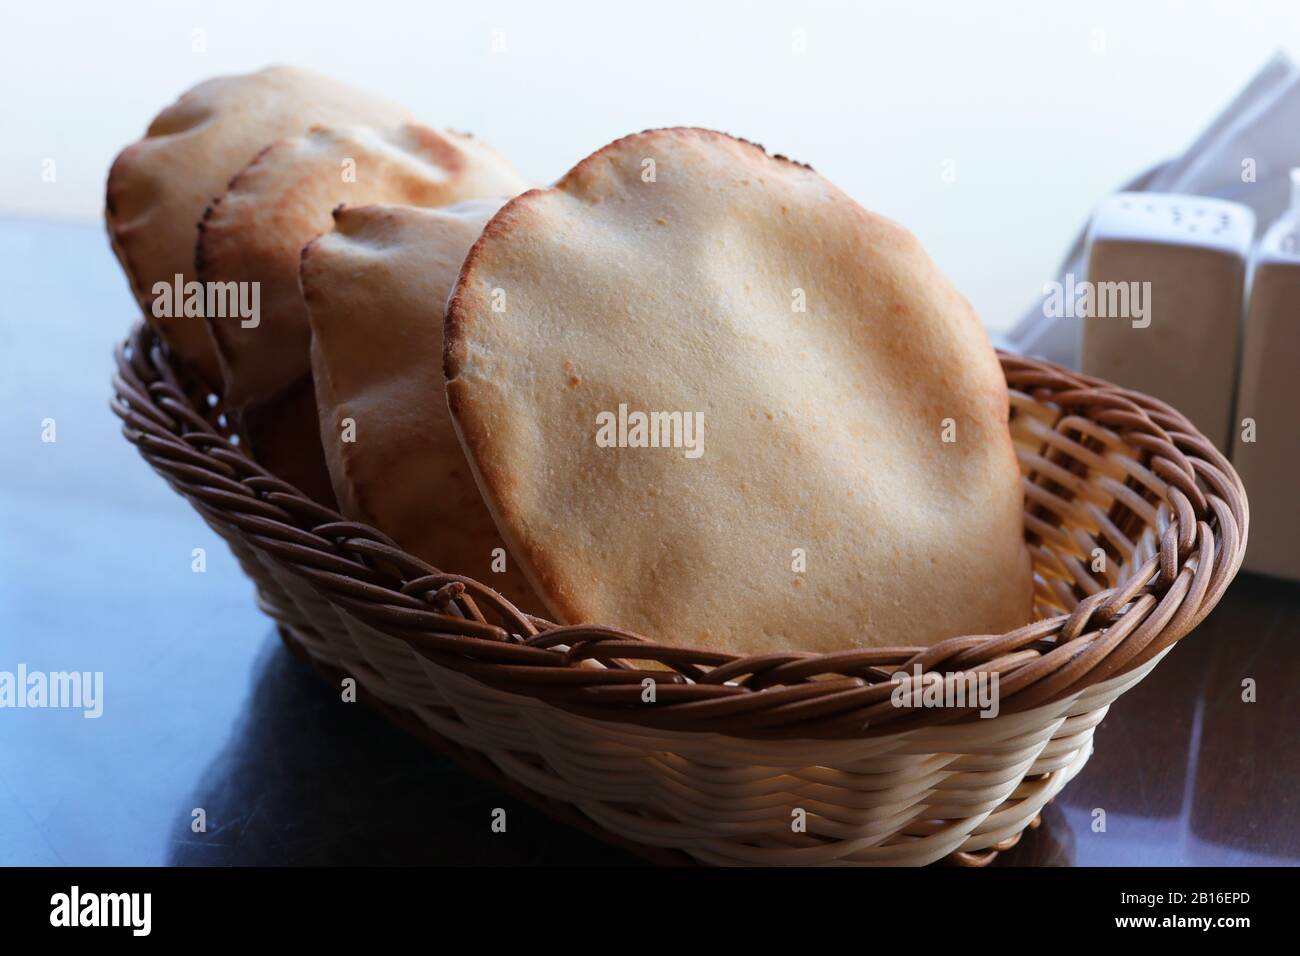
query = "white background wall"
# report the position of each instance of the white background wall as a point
(1041, 107)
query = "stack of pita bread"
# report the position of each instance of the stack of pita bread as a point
(691, 389)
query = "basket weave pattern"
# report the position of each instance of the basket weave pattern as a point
(1135, 523)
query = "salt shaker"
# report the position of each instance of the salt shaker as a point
(1161, 306)
(1266, 439)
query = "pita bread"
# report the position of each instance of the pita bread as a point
(284, 197)
(687, 271)
(375, 290)
(255, 233)
(159, 187)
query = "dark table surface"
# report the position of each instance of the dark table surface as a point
(203, 708)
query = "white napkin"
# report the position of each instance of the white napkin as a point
(1261, 123)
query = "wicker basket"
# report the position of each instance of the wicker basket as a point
(717, 769)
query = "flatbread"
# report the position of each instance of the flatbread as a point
(376, 288)
(284, 197)
(255, 233)
(686, 271)
(159, 187)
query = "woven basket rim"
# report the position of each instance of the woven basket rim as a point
(460, 623)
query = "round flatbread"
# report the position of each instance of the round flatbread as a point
(834, 468)
(284, 197)
(159, 187)
(376, 289)
(252, 237)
